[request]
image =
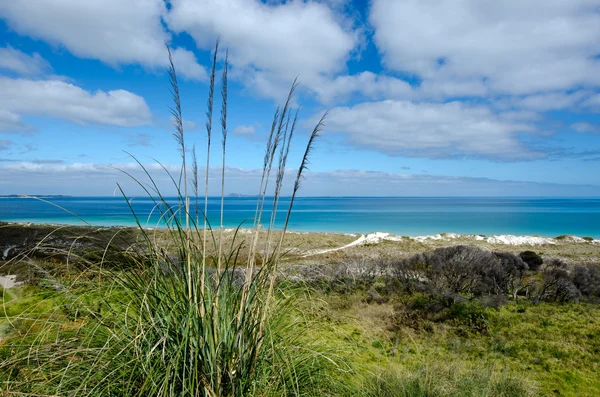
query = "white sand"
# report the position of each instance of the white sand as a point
(360, 240)
(503, 239)
(520, 240)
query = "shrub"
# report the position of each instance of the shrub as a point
(509, 280)
(533, 260)
(556, 284)
(408, 271)
(457, 269)
(587, 280)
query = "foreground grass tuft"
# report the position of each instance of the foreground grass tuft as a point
(189, 317)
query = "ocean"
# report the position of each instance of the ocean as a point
(408, 216)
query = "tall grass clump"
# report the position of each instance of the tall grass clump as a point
(192, 315)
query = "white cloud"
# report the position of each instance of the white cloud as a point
(519, 115)
(585, 127)
(512, 46)
(11, 123)
(551, 101)
(21, 63)
(60, 99)
(367, 84)
(440, 87)
(113, 31)
(244, 130)
(403, 128)
(186, 64)
(269, 44)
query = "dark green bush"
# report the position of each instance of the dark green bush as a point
(533, 260)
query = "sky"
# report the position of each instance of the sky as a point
(425, 97)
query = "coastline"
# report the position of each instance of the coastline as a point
(367, 238)
(16, 238)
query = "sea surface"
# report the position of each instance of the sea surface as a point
(408, 216)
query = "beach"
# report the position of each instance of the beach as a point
(299, 246)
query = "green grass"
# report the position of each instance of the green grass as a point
(321, 349)
(554, 348)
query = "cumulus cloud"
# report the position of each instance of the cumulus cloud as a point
(18, 62)
(186, 64)
(60, 99)
(513, 46)
(11, 123)
(112, 31)
(551, 101)
(441, 87)
(455, 129)
(269, 44)
(366, 84)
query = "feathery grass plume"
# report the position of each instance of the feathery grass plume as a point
(275, 138)
(303, 166)
(268, 152)
(177, 115)
(209, 117)
(179, 137)
(283, 132)
(272, 144)
(259, 199)
(306, 159)
(224, 144)
(276, 256)
(279, 181)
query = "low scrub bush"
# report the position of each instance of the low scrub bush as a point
(533, 260)
(587, 280)
(556, 285)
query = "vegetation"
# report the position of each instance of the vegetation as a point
(533, 260)
(187, 318)
(194, 311)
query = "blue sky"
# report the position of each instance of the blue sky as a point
(459, 97)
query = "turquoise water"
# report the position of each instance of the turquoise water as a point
(408, 216)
